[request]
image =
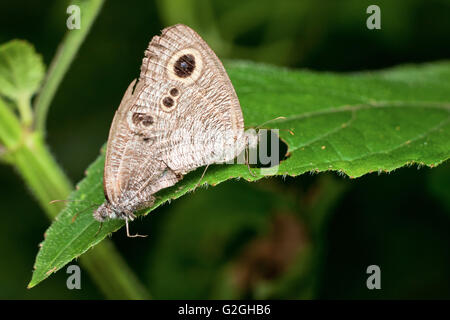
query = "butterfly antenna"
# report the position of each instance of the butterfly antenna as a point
(79, 212)
(128, 231)
(99, 228)
(85, 209)
(260, 126)
(56, 201)
(268, 121)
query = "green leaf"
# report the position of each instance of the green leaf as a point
(351, 123)
(21, 70)
(21, 74)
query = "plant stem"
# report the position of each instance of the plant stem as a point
(63, 58)
(24, 106)
(26, 150)
(105, 265)
(10, 128)
(47, 182)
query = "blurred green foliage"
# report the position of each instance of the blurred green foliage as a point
(224, 241)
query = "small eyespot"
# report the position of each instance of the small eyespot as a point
(147, 121)
(168, 102)
(136, 118)
(143, 118)
(184, 66)
(174, 92)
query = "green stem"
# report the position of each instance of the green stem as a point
(10, 129)
(47, 182)
(26, 115)
(107, 266)
(64, 57)
(27, 151)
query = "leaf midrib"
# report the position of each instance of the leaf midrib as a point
(358, 107)
(421, 136)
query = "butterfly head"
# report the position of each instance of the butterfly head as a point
(104, 212)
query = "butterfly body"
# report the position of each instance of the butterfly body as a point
(183, 113)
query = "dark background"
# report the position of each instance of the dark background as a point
(242, 240)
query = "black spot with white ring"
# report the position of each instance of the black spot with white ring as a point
(142, 118)
(168, 102)
(184, 66)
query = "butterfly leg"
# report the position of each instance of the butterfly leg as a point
(247, 146)
(128, 230)
(201, 178)
(178, 175)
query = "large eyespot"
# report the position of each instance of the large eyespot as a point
(185, 65)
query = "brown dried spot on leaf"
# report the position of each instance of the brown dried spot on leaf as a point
(267, 257)
(51, 271)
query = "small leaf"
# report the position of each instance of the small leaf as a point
(350, 123)
(21, 70)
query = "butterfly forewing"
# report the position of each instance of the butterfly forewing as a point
(183, 114)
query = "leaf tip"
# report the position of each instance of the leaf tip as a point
(32, 283)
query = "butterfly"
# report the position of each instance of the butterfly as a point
(181, 114)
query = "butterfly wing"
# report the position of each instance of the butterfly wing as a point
(117, 142)
(183, 114)
(128, 157)
(206, 124)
